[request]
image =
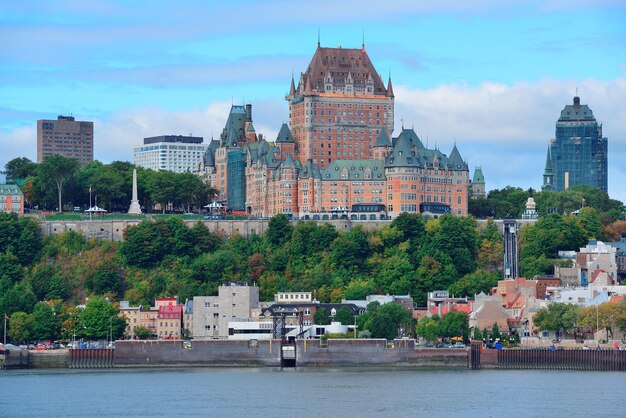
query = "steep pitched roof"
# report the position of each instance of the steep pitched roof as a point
(234, 131)
(389, 88)
(209, 154)
(478, 178)
(402, 153)
(455, 160)
(284, 135)
(411, 136)
(548, 168)
(383, 140)
(338, 62)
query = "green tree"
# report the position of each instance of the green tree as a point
(455, 324)
(142, 333)
(106, 277)
(411, 226)
(46, 322)
(429, 328)
(344, 315)
(474, 283)
(20, 327)
(99, 319)
(19, 168)
(321, 317)
(359, 289)
(59, 169)
(279, 230)
(147, 243)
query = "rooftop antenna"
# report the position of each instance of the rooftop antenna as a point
(402, 122)
(318, 37)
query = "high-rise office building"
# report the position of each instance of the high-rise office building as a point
(170, 152)
(67, 137)
(578, 153)
(339, 107)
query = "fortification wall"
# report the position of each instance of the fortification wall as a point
(113, 230)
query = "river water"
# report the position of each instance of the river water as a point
(314, 392)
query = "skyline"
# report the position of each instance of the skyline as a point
(468, 73)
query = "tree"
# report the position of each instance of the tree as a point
(19, 168)
(147, 243)
(279, 230)
(20, 327)
(429, 328)
(60, 169)
(345, 316)
(321, 317)
(106, 277)
(474, 283)
(410, 225)
(142, 333)
(455, 324)
(557, 317)
(359, 289)
(46, 322)
(99, 319)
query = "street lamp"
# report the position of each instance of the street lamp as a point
(111, 331)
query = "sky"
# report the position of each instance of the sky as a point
(491, 76)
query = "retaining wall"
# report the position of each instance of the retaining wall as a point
(201, 353)
(362, 352)
(113, 230)
(49, 359)
(14, 359)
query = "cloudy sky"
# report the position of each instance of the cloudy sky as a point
(491, 75)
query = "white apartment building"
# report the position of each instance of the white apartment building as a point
(170, 152)
(212, 314)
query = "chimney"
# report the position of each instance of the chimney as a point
(248, 113)
(576, 101)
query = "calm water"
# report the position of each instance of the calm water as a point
(311, 392)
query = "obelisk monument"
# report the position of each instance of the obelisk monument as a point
(135, 209)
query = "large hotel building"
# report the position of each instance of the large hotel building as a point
(67, 137)
(177, 153)
(337, 156)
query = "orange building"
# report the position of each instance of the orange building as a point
(11, 199)
(336, 158)
(339, 107)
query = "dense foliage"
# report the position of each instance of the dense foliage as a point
(58, 182)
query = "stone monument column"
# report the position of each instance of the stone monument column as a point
(135, 209)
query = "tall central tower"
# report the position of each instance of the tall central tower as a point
(339, 107)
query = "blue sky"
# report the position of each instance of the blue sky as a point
(491, 75)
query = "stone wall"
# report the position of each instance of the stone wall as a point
(113, 230)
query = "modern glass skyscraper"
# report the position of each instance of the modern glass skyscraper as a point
(578, 153)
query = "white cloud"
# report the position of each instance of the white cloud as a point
(506, 129)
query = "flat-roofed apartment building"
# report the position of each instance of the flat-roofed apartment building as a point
(65, 136)
(177, 153)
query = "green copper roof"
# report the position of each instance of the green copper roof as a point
(383, 140)
(354, 170)
(285, 134)
(478, 178)
(7, 189)
(548, 168)
(455, 160)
